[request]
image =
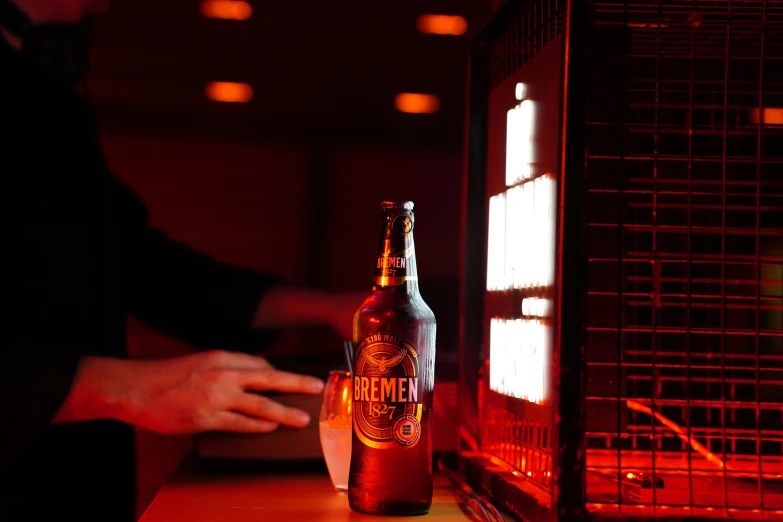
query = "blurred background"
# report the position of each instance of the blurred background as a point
(267, 134)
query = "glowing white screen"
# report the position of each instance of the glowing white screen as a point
(519, 358)
(496, 243)
(521, 236)
(521, 256)
(519, 147)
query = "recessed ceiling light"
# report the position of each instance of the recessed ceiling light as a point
(416, 103)
(226, 9)
(442, 24)
(229, 92)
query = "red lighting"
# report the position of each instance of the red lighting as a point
(442, 24)
(229, 92)
(647, 25)
(415, 103)
(226, 9)
(772, 116)
(695, 444)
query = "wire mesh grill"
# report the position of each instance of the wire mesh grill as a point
(522, 443)
(684, 341)
(536, 25)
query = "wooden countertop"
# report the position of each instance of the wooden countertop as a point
(256, 491)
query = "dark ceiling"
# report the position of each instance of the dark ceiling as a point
(320, 70)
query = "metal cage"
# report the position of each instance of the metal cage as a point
(668, 358)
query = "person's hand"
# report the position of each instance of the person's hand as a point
(211, 391)
(200, 392)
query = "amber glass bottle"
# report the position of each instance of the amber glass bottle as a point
(394, 363)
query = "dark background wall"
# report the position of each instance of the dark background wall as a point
(290, 182)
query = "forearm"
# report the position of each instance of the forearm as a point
(96, 392)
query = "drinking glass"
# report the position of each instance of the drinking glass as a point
(336, 427)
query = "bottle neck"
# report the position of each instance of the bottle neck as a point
(396, 263)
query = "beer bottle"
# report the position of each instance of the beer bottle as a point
(394, 366)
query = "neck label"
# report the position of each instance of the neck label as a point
(393, 267)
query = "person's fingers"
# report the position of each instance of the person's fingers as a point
(277, 380)
(265, 408)
(236, 422)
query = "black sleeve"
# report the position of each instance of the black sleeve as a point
(39, 356)
(40, 350)
(184, 293)
(34, 380)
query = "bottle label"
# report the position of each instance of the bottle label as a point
(387, 398)
(392, 267)
(396, 257)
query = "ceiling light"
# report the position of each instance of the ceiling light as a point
(226, 9)
(415, 103)
(229, 92)
(442, 24)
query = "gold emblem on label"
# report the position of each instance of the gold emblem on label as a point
(383, 364)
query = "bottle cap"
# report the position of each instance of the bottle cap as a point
(407, 205)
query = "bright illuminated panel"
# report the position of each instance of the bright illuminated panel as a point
(515, 231)
(226, 9)
(521, 236)
(536, 307)
(497, 353)
(520, 91)
(415, 103)
(442, 24)
(542, 267)
(519, 134)
(519, 354)
(526, 250)
(229, 92)
(521, 257)
(496, 256)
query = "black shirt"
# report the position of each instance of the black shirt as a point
(78, 256)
